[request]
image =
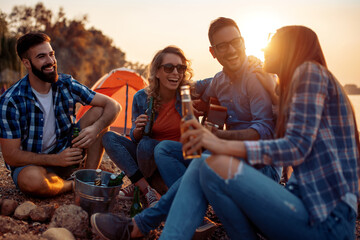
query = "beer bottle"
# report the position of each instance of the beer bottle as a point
(136, 206)
(116, 180)
(97, 181)
(187, 113)
(75, 133)
(151, 114)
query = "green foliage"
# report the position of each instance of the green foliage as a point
(86, 54)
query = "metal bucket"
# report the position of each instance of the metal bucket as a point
(93, 198)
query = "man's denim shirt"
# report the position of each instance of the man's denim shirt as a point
(248, 104)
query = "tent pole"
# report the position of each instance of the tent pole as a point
(126, 107)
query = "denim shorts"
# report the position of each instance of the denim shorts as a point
(63, 172)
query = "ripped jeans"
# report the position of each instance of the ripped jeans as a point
(246, 204)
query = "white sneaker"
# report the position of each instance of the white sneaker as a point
(152, 196)
(127, 193)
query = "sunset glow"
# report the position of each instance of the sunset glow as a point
(255, 28)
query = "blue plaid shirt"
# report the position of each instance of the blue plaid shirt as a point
(319, 143)
(22, 117)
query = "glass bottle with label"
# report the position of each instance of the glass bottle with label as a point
(97, 181)
(187, 113)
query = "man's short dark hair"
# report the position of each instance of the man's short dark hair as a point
(28, 40)
(218, 24)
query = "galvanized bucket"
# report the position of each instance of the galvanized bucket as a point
(93, 198)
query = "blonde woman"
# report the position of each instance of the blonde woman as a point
(169, 70)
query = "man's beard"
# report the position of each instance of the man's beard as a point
(46, 77)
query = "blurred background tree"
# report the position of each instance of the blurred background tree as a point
(86, 54)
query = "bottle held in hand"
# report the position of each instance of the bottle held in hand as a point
(188, 113)
(136, 206)
(150, 113)
(75, 133)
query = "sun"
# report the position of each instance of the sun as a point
(255, 28)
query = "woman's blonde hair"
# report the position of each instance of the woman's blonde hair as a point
(154, 83)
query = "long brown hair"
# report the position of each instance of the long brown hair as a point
(154, 83)
(294, 45)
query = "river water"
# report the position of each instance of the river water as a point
(355, 100)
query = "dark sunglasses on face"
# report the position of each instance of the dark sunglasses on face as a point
(169, 68)
(224, 46)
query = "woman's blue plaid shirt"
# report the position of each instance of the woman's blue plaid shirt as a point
(319, 143)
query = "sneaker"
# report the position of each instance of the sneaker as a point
(205, 229)
(152, 196)
(127, 193)
(109, 226)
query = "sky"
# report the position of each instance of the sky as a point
(142, 27)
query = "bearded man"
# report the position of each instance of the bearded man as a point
(37, 115)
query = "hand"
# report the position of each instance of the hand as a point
(200, 107)
(269, 83)
(68, 157)
(140, 123)
(86, 138)
(254, 62)
(196, 136)
(211, 127)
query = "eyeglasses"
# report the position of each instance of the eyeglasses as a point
(224, 46)
(169, 68)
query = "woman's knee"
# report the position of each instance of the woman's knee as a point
(223, 165)
(108, 138)
(159, 151)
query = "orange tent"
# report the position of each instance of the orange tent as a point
(120, 84)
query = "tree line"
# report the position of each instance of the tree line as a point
(86, 54)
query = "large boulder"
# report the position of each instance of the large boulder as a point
(73, 218)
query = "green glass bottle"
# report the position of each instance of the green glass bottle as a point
(136, 206)
(75, 133)
(151, 114)
(116, 180)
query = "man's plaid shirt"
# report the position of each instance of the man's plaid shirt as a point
(21, 116)
(319, 143)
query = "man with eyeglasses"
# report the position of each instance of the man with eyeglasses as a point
(250, 117)
(249, 107)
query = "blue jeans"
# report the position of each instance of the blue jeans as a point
(129, 156)
(170, 161)
(150, 218)
(249, 202)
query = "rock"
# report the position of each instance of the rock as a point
(8, 207)
(10, 225)
(22, 212)
(58, 234)
(73, 218)
(42, 213)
